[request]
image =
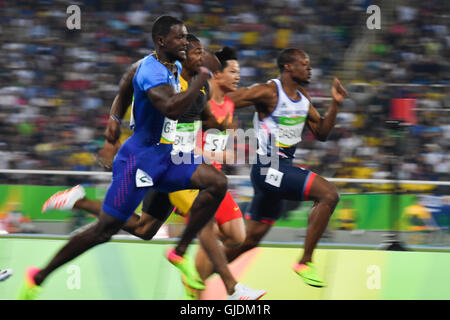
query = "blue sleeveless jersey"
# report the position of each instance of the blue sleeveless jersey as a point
(147, 121)
(145, 159)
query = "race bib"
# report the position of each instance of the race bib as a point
(168, 131)
(274, 177)
(216, 142)
(290, 131)
(185, 136)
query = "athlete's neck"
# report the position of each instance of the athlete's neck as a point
(290, 87)
(187, 74)
(218, 94)
(165, 60)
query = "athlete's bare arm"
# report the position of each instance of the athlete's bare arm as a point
(118, 108)
(262, 95)
(172, 104)
(321, 126)
(121, 103)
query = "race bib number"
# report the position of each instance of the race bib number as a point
(168, 131)
(216, 142)
(185, 136)
(274, 177)
(290, 131)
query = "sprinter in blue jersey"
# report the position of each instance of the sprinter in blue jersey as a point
(144, 160)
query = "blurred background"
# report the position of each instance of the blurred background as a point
(57, 85)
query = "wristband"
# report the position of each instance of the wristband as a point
(116, 118)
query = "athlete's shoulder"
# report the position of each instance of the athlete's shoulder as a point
(266, 90)
(269, 85)
(151, 62)
(150, 73)
(135, 65)
(305, 93)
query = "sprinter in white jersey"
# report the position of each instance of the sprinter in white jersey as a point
(283, 108)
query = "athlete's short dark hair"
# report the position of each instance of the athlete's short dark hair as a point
(162, 25)
(191, 38)
(225, 54)
(285, 57)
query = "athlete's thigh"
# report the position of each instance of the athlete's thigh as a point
(233, 230)
(205, 175)
(157, 205)
(265, 207)
(289, 182)
(123, 196)
(320, 187)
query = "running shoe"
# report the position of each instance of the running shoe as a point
(186, 265)
(242, 292)
(5, 274)
(29, 290)
(189, 293)
(64, 200)
(309, 274)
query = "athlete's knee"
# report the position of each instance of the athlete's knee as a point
(147, 235)
(251, 241)
(237, 238)
(331, 197)
(149, 229)
(234, 240)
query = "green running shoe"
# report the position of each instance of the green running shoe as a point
(189, 293)
(187, 267)
(29, 289)
(309, 274)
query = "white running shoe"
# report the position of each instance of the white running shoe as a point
(64, 200)
(242, 292)
(5, 274)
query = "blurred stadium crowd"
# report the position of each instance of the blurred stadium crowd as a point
(57, 85)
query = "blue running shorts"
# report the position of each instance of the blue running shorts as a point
(136, 169)
(285, 183)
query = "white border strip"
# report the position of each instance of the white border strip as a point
(231, 177)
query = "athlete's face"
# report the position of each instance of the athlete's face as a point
(301, 69)
(195, 56)
(228, 79)
(175, 43)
